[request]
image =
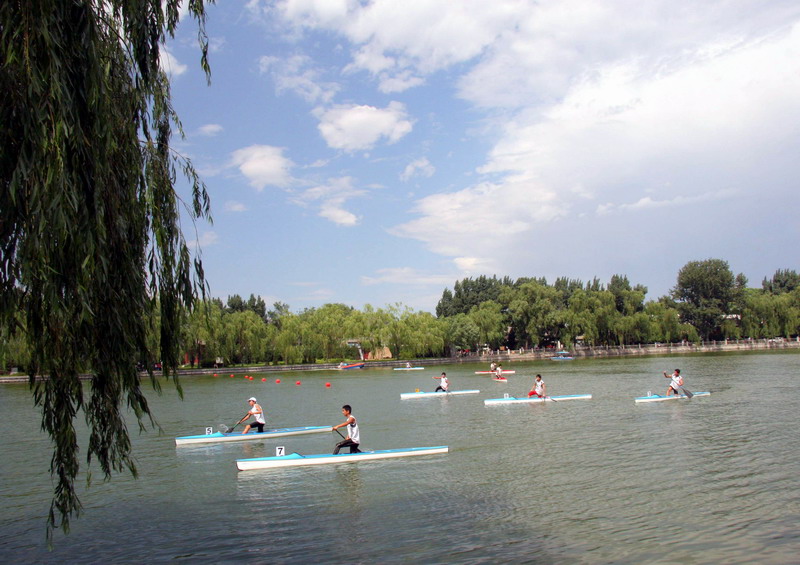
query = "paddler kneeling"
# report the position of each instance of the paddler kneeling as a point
(257, 413)
(539, 388)
(353, 437)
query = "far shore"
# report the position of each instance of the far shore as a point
(505, 357)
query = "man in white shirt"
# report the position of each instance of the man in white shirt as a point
(257, 413)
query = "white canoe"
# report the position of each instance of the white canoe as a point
(660, 398)
(297, 460)
(494, 372)
(534, 399)
(407, 395)
(239, 436)
(409, 368)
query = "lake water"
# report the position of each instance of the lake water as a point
(708, 480)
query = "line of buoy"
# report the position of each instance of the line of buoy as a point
(277, 381)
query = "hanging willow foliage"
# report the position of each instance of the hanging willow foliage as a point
(91, 248)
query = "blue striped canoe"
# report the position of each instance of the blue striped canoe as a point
(297, 460)
(239, 436)
(534, 399)
(660, 398)
(420, 394)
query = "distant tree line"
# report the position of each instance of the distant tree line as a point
(707, 303)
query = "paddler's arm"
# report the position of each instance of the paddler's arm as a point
(343, 424)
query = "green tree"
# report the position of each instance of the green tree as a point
(489, 320)
(426, 335)
(395, 332)
(462, 333)
(279, 309)
(704, 291)
(665, 322)
(90, 240)
(784, 280)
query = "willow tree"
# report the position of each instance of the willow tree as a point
(90, 243)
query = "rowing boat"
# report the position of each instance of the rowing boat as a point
(660, 398)
(238, 436)
(509, 372)
(420, 394)
(534, 399)
(297, 460)
(344, 367)
(500, 380)
(409, 368)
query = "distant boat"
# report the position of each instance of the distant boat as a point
(500, 379)
(409, 368)
(343, 366)
(562, 356)
(659, 398)
(534, 399)
(505, 372)
(420, 394)
(239, 436)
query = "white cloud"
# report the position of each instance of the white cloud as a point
(210, 130)
(233, 206)
(297, 74)
(421, 167)
(206, 239)
(170, 63)
(689, 129)
(331, 199)
(358, 127)
(263, 165)
(399, 42)
(648, 203)
(406, 276)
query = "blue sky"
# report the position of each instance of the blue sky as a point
(374, 152)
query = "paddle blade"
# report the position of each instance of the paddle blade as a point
(223, 428)
(687, 392)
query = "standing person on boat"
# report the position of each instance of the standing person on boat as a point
(676, 384)
(353, 438)
(498, 373)
(493, 366)
(444, 384)
(257, 413)
(539, 388)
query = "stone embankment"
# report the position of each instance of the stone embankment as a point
(661, 349)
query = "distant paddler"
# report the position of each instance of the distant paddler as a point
(255, 412)
(498, 372)
(538, 389)
(353, 438)
(444, 384)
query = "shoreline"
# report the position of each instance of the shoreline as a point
(579, 352)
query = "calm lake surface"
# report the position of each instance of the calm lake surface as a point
(708, 480)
